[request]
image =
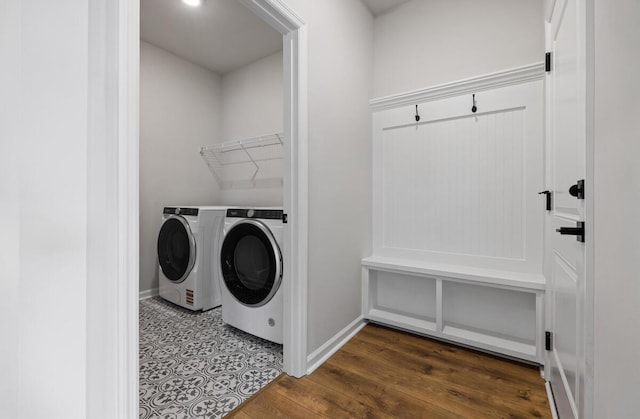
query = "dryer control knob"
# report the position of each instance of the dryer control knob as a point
(250, 213)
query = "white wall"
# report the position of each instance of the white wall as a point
(426, 43)
(617, 201)
(340, 79)
(46, 139)
(548, 9)
(10, 201)
(252, 99)
(180, 110)
(252, 105)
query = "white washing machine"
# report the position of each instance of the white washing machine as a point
(188, 254)
(251, 266)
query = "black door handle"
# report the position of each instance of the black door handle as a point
(577, 190)
(548, 196)
(572, 231)
(578, 231)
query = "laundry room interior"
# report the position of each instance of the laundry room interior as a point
(459, 181)
(194, 102)
(211, 138)
(424, 204)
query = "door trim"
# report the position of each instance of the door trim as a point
(296, 177)
(589, 254)
(112, 305)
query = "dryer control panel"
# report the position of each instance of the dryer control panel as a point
(264, 214)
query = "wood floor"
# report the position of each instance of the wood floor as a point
(385, 373)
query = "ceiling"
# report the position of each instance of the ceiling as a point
(221, 35)
(379, 7)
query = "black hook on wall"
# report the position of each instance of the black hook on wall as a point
(417, 115)
(474, 108)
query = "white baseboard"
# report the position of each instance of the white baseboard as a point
(143, 295)
(552, 402)
(320, 355)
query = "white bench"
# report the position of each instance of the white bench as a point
(496, 311)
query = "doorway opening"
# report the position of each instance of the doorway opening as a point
(210, 74)
(114, 106)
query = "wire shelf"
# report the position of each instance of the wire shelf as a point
(247, 163)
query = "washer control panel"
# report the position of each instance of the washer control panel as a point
(180, 211)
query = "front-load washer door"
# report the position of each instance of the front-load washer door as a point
(251, 263)
(176, 249)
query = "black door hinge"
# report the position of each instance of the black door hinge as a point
(549, 197)
(547, 62)
(285, 218)
(548, 341)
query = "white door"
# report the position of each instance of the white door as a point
(566, 254)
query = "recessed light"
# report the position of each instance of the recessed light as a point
(192, 3)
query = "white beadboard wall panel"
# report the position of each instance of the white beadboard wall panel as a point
(455, 186)
(458, 187)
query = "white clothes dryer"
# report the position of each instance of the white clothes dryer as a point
(251, 267)
(188, 254)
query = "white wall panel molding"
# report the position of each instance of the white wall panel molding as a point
(457, 219)
(471, 85)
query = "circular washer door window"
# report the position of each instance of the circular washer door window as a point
(251, 263)
(176, 249)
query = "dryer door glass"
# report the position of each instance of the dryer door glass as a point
(251, 263)
(176, 249)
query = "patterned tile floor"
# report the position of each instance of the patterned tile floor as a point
(192, 365)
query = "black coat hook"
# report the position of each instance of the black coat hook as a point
(474, 108)
(417, 115)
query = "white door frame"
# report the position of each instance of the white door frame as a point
(113, 272)
(296, 184)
